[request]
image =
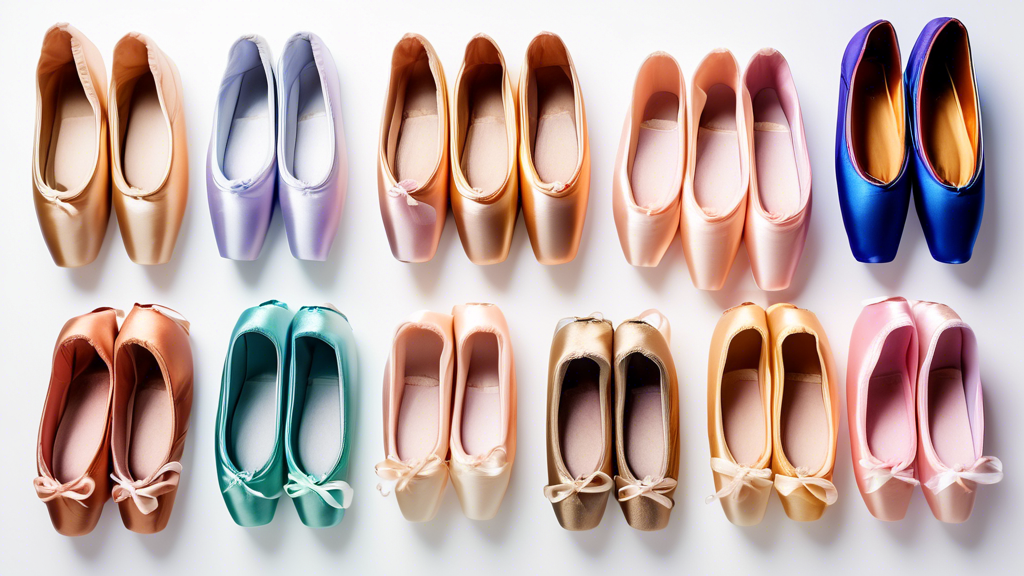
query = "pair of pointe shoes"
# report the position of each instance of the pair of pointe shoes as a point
(74, 163)
(915, 406)
(486, 153)
(433, 356)
(728, 163)
(115, 418)
(773, 413)
(277, 137)
(613, 409)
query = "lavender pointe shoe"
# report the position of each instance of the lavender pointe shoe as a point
(313, 171)
(241, 169)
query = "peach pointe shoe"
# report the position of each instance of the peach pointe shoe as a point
(484, 149)
(412, 158)
(73, 452)
(646, 421)
(150, 414)
(651, 161)
(805, 412)
(417, 414)
(779, 208)
(554, 150)
(579, 421)
(483, 436)
(881, 376)
(70, 163)
(950, 414)
(739, 414)
(714, 204)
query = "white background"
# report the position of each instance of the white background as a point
(608, 41)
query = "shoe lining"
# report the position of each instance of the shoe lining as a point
(485, 152)
(948, 415)
(83, 423)
(147, 142)
(716, 183)
(890, 430)
(320, 422)
(252, 429)
(416, 153)
(481, 410)
(644, 426)
(778, 182)
(420, 396)
(248, 140)
(949, 125)
(580, 431)
(803, 420)
(656, 159)
(72, 146)
(555, 148)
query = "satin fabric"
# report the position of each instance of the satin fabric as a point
(73, 222)
(251, 496)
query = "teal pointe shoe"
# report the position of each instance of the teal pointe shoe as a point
(322, 372)
(250, 415)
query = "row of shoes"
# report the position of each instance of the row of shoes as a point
(115, 418)
(727, 165)
(917, 131)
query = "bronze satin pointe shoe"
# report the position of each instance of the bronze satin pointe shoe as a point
(73, 452)
(805, 412)
(579, 421)
(149, 149)
(484, 139)
(554, 150)
(150, 415)
(70, 165)
(740, 414)
(412, 158)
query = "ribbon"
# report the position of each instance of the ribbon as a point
(878, 473)
(399, 474)
(419, 213)
(490, 463)
(593, 483)
(300, 484)
(741, 477)
(144, 493)
(242, 479)
(48, 488)
(553, 187)
(820, 488)
(986, 470)
(648, 488)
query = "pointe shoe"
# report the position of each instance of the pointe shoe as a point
(313, 166)
(949, 153)
(148, 149)
(740, 414)
(779, 209)
(881, 378)
(651, 161)
(950, 414)
(483, 434)
(418, 414)
(484, 149)
(805, 412)
(317, 443)
(720, 130)
(70, 163)
(73, 451)
(241, 166)
(580, 440)
(646, 421)
(250, 415)
(149, 415)
(872, 159)
(412, 158)
(554, 150)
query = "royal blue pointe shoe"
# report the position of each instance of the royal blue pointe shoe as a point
(945, 127)
(872, 159)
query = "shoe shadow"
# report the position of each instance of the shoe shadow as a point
(500, 275)
(656, 276)
(435, 532)
(250, 271)
(974, 271)
(427, 274)
(594, 542)
(87, 278)
(165, 275)
(90, 546)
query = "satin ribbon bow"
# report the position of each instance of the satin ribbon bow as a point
(418, 212)
(48, 488)
(399, 474)
(300, 484)
(144, 493)
(878, 473)
(986, 470)
(242, 479)
(648, 488)
(820, 488)
(591, 484)
(491, 463)
(741, 477)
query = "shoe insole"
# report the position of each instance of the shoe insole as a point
(644, 426)
(555, 149)
(419, 408)
(311, 159)
(485, 152)
(580, 433)
(416, 153)
(320, 426)
(948, 416)
(72, 148)
(151, 417)
(481, 410)
(657, 157)
(778, 183)
(147, 141)
(876, 131)
(249, 137)
(890, 429)
(743, 416)
(83, 424)
(804, 424)
(716, 176)
(252, 431)
(944, 129)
